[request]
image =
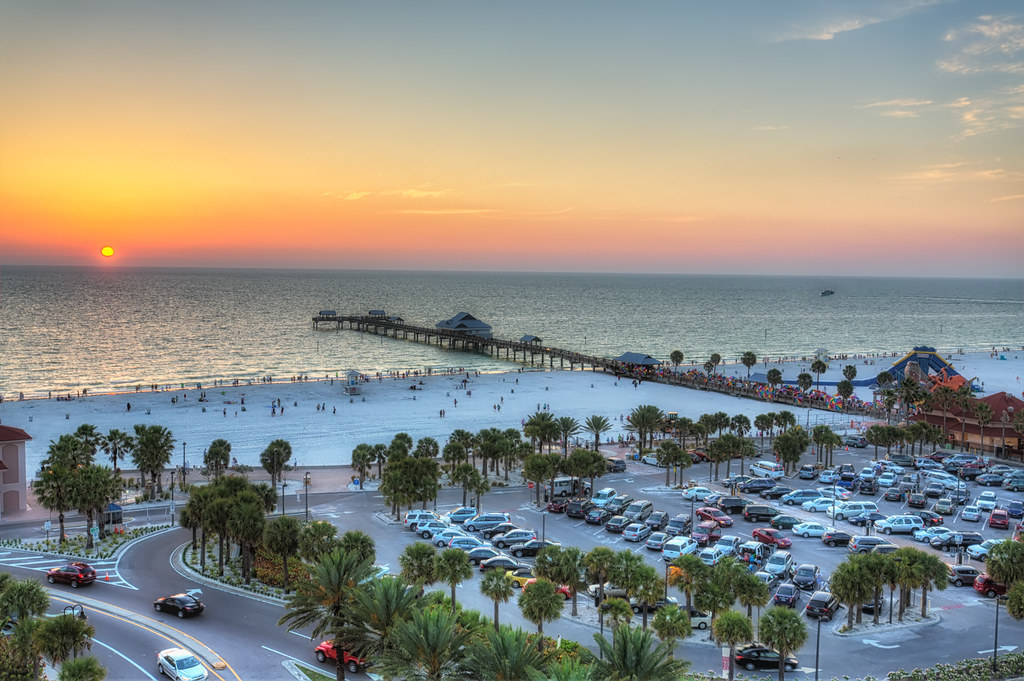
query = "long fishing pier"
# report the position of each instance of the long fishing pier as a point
(393, 327)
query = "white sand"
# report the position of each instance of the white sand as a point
(389, 406)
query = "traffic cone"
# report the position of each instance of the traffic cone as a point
(107, 577)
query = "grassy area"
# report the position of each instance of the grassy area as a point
(313, 675)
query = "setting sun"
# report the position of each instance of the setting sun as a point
(107, 251)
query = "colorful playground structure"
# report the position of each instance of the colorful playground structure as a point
(926, 366)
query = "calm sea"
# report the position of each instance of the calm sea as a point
(64, 329)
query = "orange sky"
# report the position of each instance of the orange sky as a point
(808, 139)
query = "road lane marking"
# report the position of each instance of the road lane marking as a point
(125, 658)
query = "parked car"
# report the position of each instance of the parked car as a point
(639, 510)
(987, 501)
(181, 605)
(858, 441)
(657, 540)
(638, 606)
(807, 577)
(899, 524)
(770, 580)
(178, 663)
(956, 539)
(959, 575)
(651, 460)
(501, 562)
(679, 524)
(716, 514)
(558, 505)
(636, 532)
(866, 518)
(885, 548)
(756, 485)
(76, 574)
(990, 479)
(828, 476)
(822, 605)
(520, 576)
(530, 548)
(481, 553)
(598, 516)
(616, 524)
(696, 493)
(603, 496)
(799, 496)
(414, 518)
(809, 529)
(559, 588)
(917, 500)
(678, 546)
(775, 492)
(771, 536)
(784, 521)
(980, 551)
(729, 543)
(657, 521)
(615, 465)
(925, 534)
(710, 555)
(706, 532)
(807, 472)
(578, 508)
(864, 544)
(895, 494)
(836, 538)
(486, 520)
(928, 517)
(1013, 482)
(999, 519)
(729, 504)
(755, 656)
(934, 490)
(779, 564)
(461, 514)
(500, 528)
(326, 651)
(759, 513)
(987, 586)
(513, 537)
(819, 505)
(619, 504)
(465, 543)
(787, 595)
(1015, 508)
(445, 536)
(971, 514)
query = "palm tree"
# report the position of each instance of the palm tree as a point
(503, 654)
(804, 381)
(671, 623)
(689, 574)
(452, 566)
(567, 426)
(419, 563)
(934, 575)
(218, 515)
(964, 398)
(749, 359)
(785, 631)
(633, 655)
(91, 491)
(650, 591)
(597, 425)
(598, 562)
(379, 606)
(1015, 601)
(715, 360)
(1005, 562)
(453, 454)
(22, 599)
(429, 646)
(274, 459)
(852, 584)
(617, 611)
(246, 521)
(944, 398)
(983, 415)
(540, 428)
(644, 420)
(281, 536)
(731, 629)
(764, 423)
(676, 357)
(752, 592)
(55, 491)
(153, 448)
(326, 600)
(910, 392)
(63, 637)
(670, 455)
(116, 444)
(570, 566)
(82, 669)
(90, 439)
(818, 367)
(217, 457)
(540, 602)
(774, 377)
(360, 543)
(499, 587)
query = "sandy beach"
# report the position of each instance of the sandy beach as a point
(323, 424)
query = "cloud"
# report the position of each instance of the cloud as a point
(943, 173)
(831, 28)
(416, 193)
(771, 128)
(901, 103)
(901, 114)
(1012, 197)
(354, 196)
(445, 211)
(989, 45)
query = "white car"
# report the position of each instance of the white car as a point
(971, 514)
(696, 493)
(651, 460)
(809, 529)
(979, 551)
(603, 496)
(925, 534)
(711, 555)
(678, 546)
(987, 501)
(178, 663)
(829, 476)
(817, 505)
(728, 543)
(840, 493)
(887, 479)
(893, 467)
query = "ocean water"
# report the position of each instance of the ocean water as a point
(64, 329)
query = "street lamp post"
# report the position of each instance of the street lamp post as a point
(817, 651)
(995, 639)
(305, 483)
(284, 483)
(183, 468)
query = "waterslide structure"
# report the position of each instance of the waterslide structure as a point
(928, 367)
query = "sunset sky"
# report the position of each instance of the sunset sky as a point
(860, 137)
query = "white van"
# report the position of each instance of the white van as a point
(564, 487)
(767, 469)
(848, 509)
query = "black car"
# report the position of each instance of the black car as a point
(862, 519)
(598, 516)
(181, 605)
(680, 524)
(917, 500)
(530, 548)
(806, 577)
(787, 595)
(578, 508)
(836, 538)
(481, 553)
(958, 539)
(761, 657)
(775, 492)
(614, 465)
(757, 485)
(989, 480)
(868, 486)
(732, 505)
(869, 607)
(657, 521)
(617, 505)
(822, 605)
(617, 524)
(895, 494)
(501, 563)
(499, 529)
(759, 513)
(929, 517)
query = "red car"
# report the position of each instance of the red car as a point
(558, 505)
(999, 519)
(716, 514)
(75, 574)
(706, 533)
(987, 586)
(562, 588)
(326, 651)
(769, 535)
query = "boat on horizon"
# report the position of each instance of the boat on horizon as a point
(828, 292)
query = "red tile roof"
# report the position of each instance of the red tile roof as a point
(9, 434)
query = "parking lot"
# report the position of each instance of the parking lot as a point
(642, 481)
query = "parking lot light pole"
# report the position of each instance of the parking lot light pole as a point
(305, 483)
(817, 651)
(995, 639)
